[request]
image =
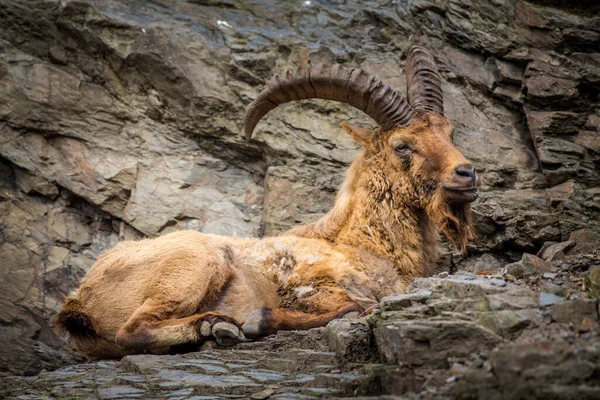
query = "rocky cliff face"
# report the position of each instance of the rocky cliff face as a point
(120, 119)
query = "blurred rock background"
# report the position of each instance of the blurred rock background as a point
(122, 119)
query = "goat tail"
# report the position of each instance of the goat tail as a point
(79, 326)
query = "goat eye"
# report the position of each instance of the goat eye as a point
(402, 149)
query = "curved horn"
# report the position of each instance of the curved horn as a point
(423, 81)
(354, 87)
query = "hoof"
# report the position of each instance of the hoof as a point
(227, 334)
(352, 315)
(255, 322)
(221, 328)
(205, 329)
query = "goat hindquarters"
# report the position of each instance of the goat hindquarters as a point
(78, 325)
(83, 332)
(150, 295)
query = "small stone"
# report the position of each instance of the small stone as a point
(264, 394)
(442, 275)
(504, 301)
(498, 282)
(586, 241)
(209, 345)
(529, 266)
(574, 311)
(507, 323)
(554, 197)
(548, 299)
(555, 251)
(554, 288)
(466, 275)
(587, 324)
(592, 281)
(485, 264)
(538, 336)
(549, 275)
(458, 369)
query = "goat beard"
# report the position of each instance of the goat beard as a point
(453, 220)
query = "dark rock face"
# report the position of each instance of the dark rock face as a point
(120, 119)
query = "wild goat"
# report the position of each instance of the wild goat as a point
(163, 294)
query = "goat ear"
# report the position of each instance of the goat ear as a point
(360, 135)
(440, 124)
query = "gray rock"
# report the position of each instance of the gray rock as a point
(550, 287)
(514, 369)
(555, 251)
(121, 392)
(351, 340)
(504, 301)
(454, 287)
(574, 311)
(593, 281)
(529, 266)
(263, 394)
(400, 301)
(586, 240)
(431, 343)
(483, 262)
(548, 299)
(498, 282)
(508, 323)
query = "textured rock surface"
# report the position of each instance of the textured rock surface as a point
(258, 374)
(120, 119)
(476, 337)
(450, 336)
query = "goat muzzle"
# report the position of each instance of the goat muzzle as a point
(464, 185)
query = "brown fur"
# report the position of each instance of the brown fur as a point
(155, 294)
(78, 325)
(274, 320)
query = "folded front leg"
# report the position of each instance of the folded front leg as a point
(324, 305)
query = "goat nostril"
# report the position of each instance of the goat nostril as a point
(467, 171)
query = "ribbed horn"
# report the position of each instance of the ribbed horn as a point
(423, 82)
(351, 86)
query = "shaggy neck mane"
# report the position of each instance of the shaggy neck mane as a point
(368, 215)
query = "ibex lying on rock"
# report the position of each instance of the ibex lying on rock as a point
(410, 182)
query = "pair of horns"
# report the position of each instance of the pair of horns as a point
(356, 88)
